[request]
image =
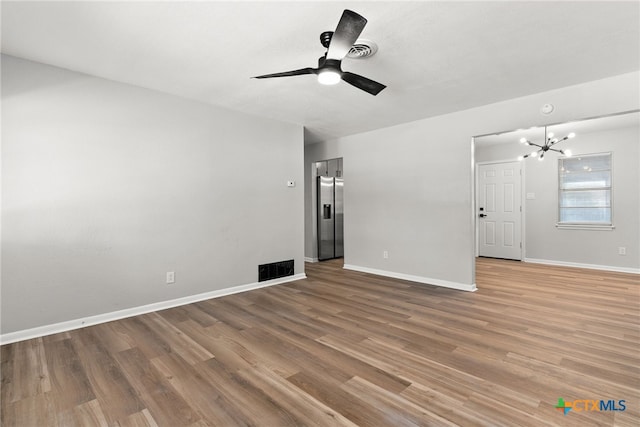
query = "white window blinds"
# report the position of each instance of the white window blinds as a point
(585, 189)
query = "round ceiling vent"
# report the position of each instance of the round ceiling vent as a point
(362, 48)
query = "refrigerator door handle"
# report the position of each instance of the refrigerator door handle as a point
(326, 211)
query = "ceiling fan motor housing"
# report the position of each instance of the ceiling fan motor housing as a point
(329, 64)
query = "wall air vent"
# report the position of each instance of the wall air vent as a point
(275, 270)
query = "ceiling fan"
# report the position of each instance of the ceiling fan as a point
(338, 43)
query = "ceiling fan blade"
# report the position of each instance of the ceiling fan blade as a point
(347, 32)
(363, 83)
(299, 72)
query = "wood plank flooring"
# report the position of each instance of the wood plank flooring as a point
(347, 348)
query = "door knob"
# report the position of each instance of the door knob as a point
(482, 215)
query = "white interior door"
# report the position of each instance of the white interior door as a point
(499, 210)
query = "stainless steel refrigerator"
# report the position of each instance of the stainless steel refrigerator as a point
(330, 218)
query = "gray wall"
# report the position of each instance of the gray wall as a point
(106, 187)
(543, 241)
(408, 188)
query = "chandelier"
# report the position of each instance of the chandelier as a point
(549, 142)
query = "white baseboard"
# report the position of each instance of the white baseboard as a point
(581, 265)
(55, 328)
(308, 259)
(419, 279)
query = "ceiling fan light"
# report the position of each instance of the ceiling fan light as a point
(328, 77)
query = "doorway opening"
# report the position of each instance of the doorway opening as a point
(499, 194)
(330, 209)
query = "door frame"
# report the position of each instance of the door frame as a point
(522, 200)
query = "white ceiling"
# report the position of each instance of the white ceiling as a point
(435, 57)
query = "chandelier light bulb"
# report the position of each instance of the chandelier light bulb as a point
(534, 154)
(523, 140)
(541, 158)
(520, 158)
(571, 135)
(550, 134)
(567, 153)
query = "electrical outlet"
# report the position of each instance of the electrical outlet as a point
(622, 250)
(171, 277)
(385, 254)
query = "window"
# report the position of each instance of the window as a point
(585, 190)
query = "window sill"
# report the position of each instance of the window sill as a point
(595, 227)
